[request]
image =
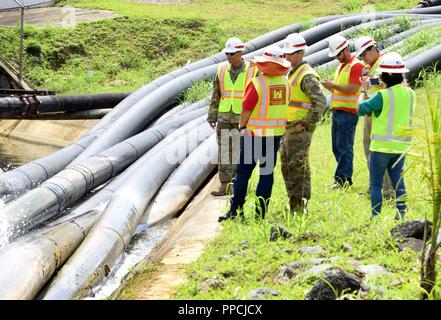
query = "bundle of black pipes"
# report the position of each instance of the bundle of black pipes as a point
(105, 223)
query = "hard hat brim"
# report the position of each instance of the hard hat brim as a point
(402, 70)
(232, 50)
(333, 54)
(293, 50)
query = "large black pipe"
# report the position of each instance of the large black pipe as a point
(182, 184)
(78, 115)
(180, 110)
(32, 105)
(429, 59)
(428, 3)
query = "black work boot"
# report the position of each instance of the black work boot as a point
(231, 214)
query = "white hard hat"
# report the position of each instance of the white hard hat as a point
(275, 54)
(337, 44)
(362, 43)
(392, 62)
(233, 45)
(293, 43)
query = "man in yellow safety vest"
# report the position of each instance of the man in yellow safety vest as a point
(306, 106)
(229, 86)
(262, 122)
(345, 89)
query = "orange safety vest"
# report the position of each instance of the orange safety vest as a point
(269, 116)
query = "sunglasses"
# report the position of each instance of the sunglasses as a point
(231, 53)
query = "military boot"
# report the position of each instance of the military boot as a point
(221, 191)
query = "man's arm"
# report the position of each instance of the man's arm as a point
(311, 87)
(371, 105)
(248, 104)
(214, 103)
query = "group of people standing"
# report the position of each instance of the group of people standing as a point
(274, 103)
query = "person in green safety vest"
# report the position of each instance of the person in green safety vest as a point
(229, 86)
(306, 106)
(367, 50)
(392, 109)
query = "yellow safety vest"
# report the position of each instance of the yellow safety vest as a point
(374, 75)
(340, 99)
(300, 103)
(232, 93)
(269, 116)
(390, 129)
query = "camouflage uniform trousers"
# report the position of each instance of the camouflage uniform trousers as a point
(228, 141)
(388, 190)
(294, 155)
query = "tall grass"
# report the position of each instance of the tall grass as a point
(432, 175)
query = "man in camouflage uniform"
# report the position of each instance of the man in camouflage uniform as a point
(229, 87)
(305, 109)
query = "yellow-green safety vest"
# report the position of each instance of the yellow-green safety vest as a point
(340, 99)
(232, 94)
(375, 75)
(300, 103)
(390, 129)
(270, 113)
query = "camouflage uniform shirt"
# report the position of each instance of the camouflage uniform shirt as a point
(311, 86)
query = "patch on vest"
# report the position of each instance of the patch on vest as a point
(277, 95)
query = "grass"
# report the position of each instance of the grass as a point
(336, 218)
